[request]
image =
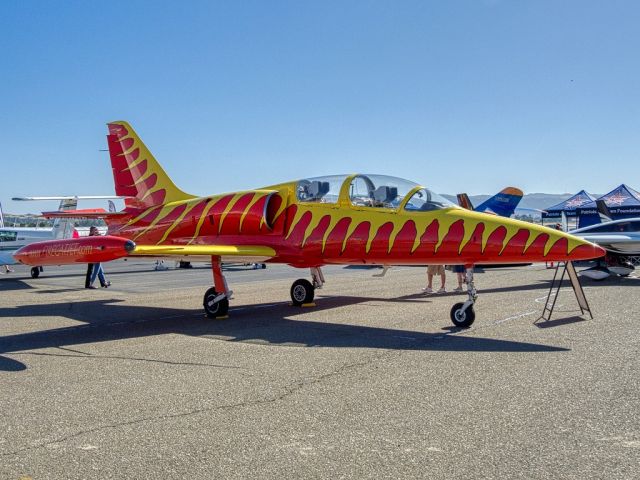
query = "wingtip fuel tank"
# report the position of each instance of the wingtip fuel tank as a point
(75, 250)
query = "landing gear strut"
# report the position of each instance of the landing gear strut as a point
(462, 314)
(216, 299)
(303, 291)
(35, 272)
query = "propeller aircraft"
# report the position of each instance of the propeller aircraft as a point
(334, 220)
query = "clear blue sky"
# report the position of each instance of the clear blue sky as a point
(457, 95)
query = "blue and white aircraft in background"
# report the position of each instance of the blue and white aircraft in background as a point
(503, 203)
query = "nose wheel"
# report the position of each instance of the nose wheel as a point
(462, 313)
(462, 317)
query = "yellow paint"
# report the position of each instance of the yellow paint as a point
(208, 250)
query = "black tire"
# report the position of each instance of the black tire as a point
(264, 265)
(214, 310)
(462, 319)
(302, 292)
(35, 272)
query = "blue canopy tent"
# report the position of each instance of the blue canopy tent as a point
(622, 202)
(569, 206)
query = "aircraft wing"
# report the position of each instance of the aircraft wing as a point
(69, 197)
(204, 250)
(85, 213)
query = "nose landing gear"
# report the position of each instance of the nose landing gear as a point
(462, 314)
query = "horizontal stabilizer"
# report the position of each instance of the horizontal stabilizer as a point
(69, 197)
(84, 213)
(217, 250)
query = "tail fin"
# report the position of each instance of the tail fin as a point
(603, 211)
(136, 173)
(503, 203)
(63, 227)
(464, 201)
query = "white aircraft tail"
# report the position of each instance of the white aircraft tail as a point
(63, 227)
(1, 217)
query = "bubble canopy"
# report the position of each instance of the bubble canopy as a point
(364, 190)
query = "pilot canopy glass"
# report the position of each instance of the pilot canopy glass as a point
(379, 191)
(361, 190)
(425, 200)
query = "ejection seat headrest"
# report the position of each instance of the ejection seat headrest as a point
(385, 194)
(318, 189)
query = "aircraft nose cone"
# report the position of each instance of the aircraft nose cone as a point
(587, 251)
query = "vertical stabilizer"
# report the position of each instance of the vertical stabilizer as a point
(63, 227)
(464, 201)
(503, 203)
(136, 173)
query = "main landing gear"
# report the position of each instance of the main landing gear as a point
(216, 299)
(303, 291)
(462, 314)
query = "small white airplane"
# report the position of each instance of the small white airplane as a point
(14, 238)
(620, 238)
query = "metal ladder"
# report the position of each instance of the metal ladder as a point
(556, 284)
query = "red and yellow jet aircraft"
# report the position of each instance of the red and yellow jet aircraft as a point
(339, 220)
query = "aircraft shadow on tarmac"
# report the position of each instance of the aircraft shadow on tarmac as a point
(9, 284)
(108, 320)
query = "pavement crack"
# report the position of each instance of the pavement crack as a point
(132, 359)
(299, 385)
(288, 391)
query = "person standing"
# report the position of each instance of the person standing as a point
(435, 270)
(96, 268)
(87, 277)
(459, 270)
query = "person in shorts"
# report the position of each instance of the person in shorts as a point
(431, 271)
(460, 271)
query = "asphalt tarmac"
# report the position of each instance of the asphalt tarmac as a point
(374, 382)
